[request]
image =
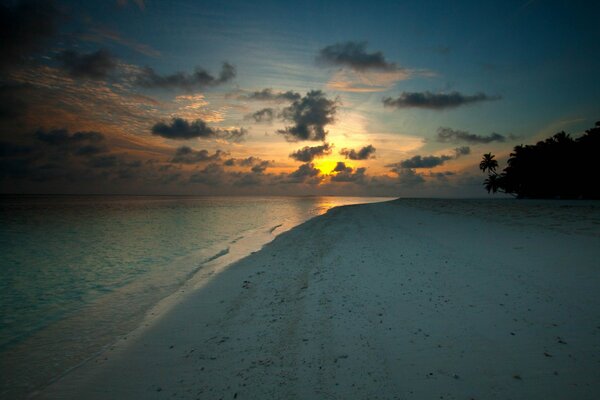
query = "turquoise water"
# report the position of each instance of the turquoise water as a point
(94, 265)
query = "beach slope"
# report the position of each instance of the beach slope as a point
(397, 300)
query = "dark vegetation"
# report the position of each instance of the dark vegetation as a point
(558, 167)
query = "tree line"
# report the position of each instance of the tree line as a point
(558, 167)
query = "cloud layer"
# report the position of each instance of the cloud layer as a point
(445, 135)
(363, 153)
(435, 101)
(307, 154)
(149, 78)
(182, 129)
(354, 55)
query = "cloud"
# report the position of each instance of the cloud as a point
(344, 173)
(435, 101)
(306, 173)
(182, 129)
(212, 174)
(462, 151)
(363, 154)
(418, 161)
(310, 115)
(257, 165)
(78, 143)
(25, 26)
(148, 78)
(421, 162)
(95, 65)
(445, 135)
(307, 154)
(269, 95)
(409, 177)
(187, 155)
(263, 115)
(354, 56)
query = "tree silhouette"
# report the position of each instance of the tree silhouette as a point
(558, 167)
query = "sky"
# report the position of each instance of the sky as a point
(286, 98)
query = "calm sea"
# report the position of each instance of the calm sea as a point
(77, 272)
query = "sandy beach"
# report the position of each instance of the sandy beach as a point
(409, 299)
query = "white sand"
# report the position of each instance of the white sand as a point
(390, 301)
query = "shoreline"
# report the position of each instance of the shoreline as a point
(282, 321)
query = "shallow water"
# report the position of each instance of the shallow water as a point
(76, 272)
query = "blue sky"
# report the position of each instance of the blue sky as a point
(522, 70)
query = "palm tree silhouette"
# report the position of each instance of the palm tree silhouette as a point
(489, 164)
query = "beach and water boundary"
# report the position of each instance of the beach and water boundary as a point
(81, 271)
(404, 299)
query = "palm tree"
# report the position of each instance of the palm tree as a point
(492, 183)
(488, 164)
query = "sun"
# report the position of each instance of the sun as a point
(327, 165)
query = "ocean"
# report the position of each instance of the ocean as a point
(77, 272)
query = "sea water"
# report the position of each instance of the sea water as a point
(77, 272)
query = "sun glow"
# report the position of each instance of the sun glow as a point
(327, 165)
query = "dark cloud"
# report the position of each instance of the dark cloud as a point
(409, 177)
(25, 26)
(78, 143)
(307, 154)
(462, 151)
(435, 101)
(95, 65)
(310, 115)
(182, 129)
(257, 165)
(354, 55)
(187, 155)
(421, 162)
(264, 115)
(148, 78)
(105, 161)
(363, 154)
(446, 135)
(305, 173)
(347, 174)
(260, 167)
(341, 167)
(418, 162)
(270, 95)
(213, 174)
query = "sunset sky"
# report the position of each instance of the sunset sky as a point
(306, 98)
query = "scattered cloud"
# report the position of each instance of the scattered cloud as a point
(306, 173)
(256, 164)
(344, 173)
(96, 65)
(187, 155)
(421, 162)
(148, 78)
(309, 115)
(363, 153)
(182, 129)
(307, 154)
(446, 135)
(263, 115)
(435, 101)
(462, 151)
(354, 55)
(271, 96)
